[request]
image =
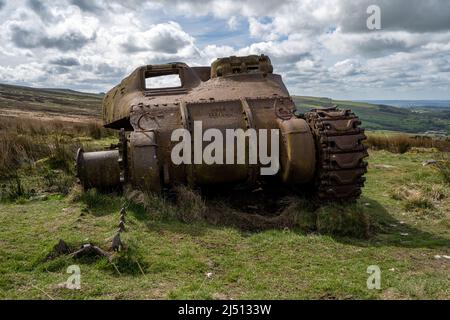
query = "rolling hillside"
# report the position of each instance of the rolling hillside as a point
(381, 117)
(24, 101)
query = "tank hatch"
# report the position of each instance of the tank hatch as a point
(238, 65)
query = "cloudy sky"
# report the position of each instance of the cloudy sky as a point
(321, 47)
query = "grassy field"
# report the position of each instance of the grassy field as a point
(191, 245)
(408, 211)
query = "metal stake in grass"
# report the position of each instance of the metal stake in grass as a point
(122, 214)
(116, 243)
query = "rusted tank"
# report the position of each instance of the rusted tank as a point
(322, 150)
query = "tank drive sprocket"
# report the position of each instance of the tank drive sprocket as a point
(340, 154)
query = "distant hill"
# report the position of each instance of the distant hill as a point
(15, 100)
(383, 117)
(412, 103)
(49, 101)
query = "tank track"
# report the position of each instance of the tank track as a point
(340, 154)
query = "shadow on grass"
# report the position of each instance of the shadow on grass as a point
(389, 231)
(354, 224)
(251, 212)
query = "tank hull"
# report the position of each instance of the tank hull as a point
(237, 95)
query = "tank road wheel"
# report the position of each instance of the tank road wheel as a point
(340, 154)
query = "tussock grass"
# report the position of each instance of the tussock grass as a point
(52, 158)
(14, 189)
(57, 181)
(45, 127)
(100, 202)
(129, 260)
(190, 205)
(32, 148)
(402, 143)
(150, 204)
(295, 213)
(415, 203)
(349, 221)
(443, 167)
(28, 140)
(421, 199)
(75, 193)
(16, 150)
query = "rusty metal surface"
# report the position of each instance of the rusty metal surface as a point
(144, 162)
(197, 86)
(235, 65)
(325, 148)
(298, 158)
(340, 152)
(98, 169)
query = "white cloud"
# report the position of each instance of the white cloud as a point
(321, 47)
(233, 23)
(263, 31)
(346, 68)
(164, 38)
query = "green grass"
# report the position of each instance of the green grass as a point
(176, 257)
(172, 251)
